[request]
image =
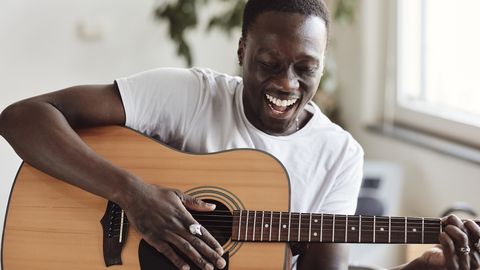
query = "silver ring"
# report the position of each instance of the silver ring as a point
(195, 229)
(465, 250)
(477, 245)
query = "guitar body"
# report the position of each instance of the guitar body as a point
(53, 225)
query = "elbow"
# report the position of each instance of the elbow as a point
(12, 118)
(7, 118)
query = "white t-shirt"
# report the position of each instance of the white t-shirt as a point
(200, 111)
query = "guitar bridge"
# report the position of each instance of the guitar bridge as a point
(115, 230)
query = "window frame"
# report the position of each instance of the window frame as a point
(454, 127)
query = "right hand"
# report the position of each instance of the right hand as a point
(160, 215)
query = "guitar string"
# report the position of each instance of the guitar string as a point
(400, 224)
(325, 230)
(427, 227)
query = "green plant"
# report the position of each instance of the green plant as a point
(182, 15)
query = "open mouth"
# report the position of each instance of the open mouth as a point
(280, 106)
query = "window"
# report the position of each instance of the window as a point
(438, 74)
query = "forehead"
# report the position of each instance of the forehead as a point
(289, 32)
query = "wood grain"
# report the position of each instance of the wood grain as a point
(51, 225)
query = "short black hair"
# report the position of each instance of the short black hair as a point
(254, 8)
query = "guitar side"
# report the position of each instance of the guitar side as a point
(53, 225)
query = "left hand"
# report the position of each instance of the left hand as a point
(456, 240)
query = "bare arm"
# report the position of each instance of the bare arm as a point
(40, 131)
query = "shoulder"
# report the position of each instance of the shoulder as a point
(335, 142)
(217, 80)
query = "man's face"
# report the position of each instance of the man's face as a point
(282, 60)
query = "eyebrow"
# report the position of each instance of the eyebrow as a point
(273, 52)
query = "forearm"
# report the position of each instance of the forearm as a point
(41, 136)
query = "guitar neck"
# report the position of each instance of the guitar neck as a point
(268, 226)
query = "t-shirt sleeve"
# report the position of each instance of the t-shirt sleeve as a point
(343, 197)
(162, 102)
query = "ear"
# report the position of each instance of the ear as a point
(241, 50)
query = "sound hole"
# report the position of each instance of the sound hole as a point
(218, 222)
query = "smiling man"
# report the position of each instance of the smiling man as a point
(281, 52)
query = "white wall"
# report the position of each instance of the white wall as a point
(41, 51)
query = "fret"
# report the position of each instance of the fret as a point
(397, 230)
(299, 224)
(360, 229)
(328, 228)
(270, 227)
(254, 223)
(289, 222)
(333, 230)
(382, 229)
(321, 229)
(414, 230)
(310, 229)
(239, 224)
(261, 232)
(246, 227)
(316, 227)
(406, 229)
(340, 229)
(353, 228)
(368, 229)
(293, 226)
(423, 230)
(280, 226)
(374, 228)
(346, 229)
(389, 229)
(431, 230)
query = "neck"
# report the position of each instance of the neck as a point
(268, 226)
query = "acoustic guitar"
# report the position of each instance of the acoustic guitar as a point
(52, 225)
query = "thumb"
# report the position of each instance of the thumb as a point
(195, 204)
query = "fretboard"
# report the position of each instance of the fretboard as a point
(268, 226)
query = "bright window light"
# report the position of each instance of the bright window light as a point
(439, 58)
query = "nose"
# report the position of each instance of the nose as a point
(287, 81)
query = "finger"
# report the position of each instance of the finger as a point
(195, 204)
(205, 235)
(455, 221)
(448, 247)
(473, 233)
(474, 237)
(206, 250)
(186, 248)
(460, 240)
(211, 241)
(170, 254)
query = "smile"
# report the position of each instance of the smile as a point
(280, 104)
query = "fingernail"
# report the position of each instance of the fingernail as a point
(221, 263)
(210, 267)
(186, 267)
(211, 205)
(219, 251)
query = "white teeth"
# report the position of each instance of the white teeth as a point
(279, 102)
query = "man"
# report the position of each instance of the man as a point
(281, 52)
